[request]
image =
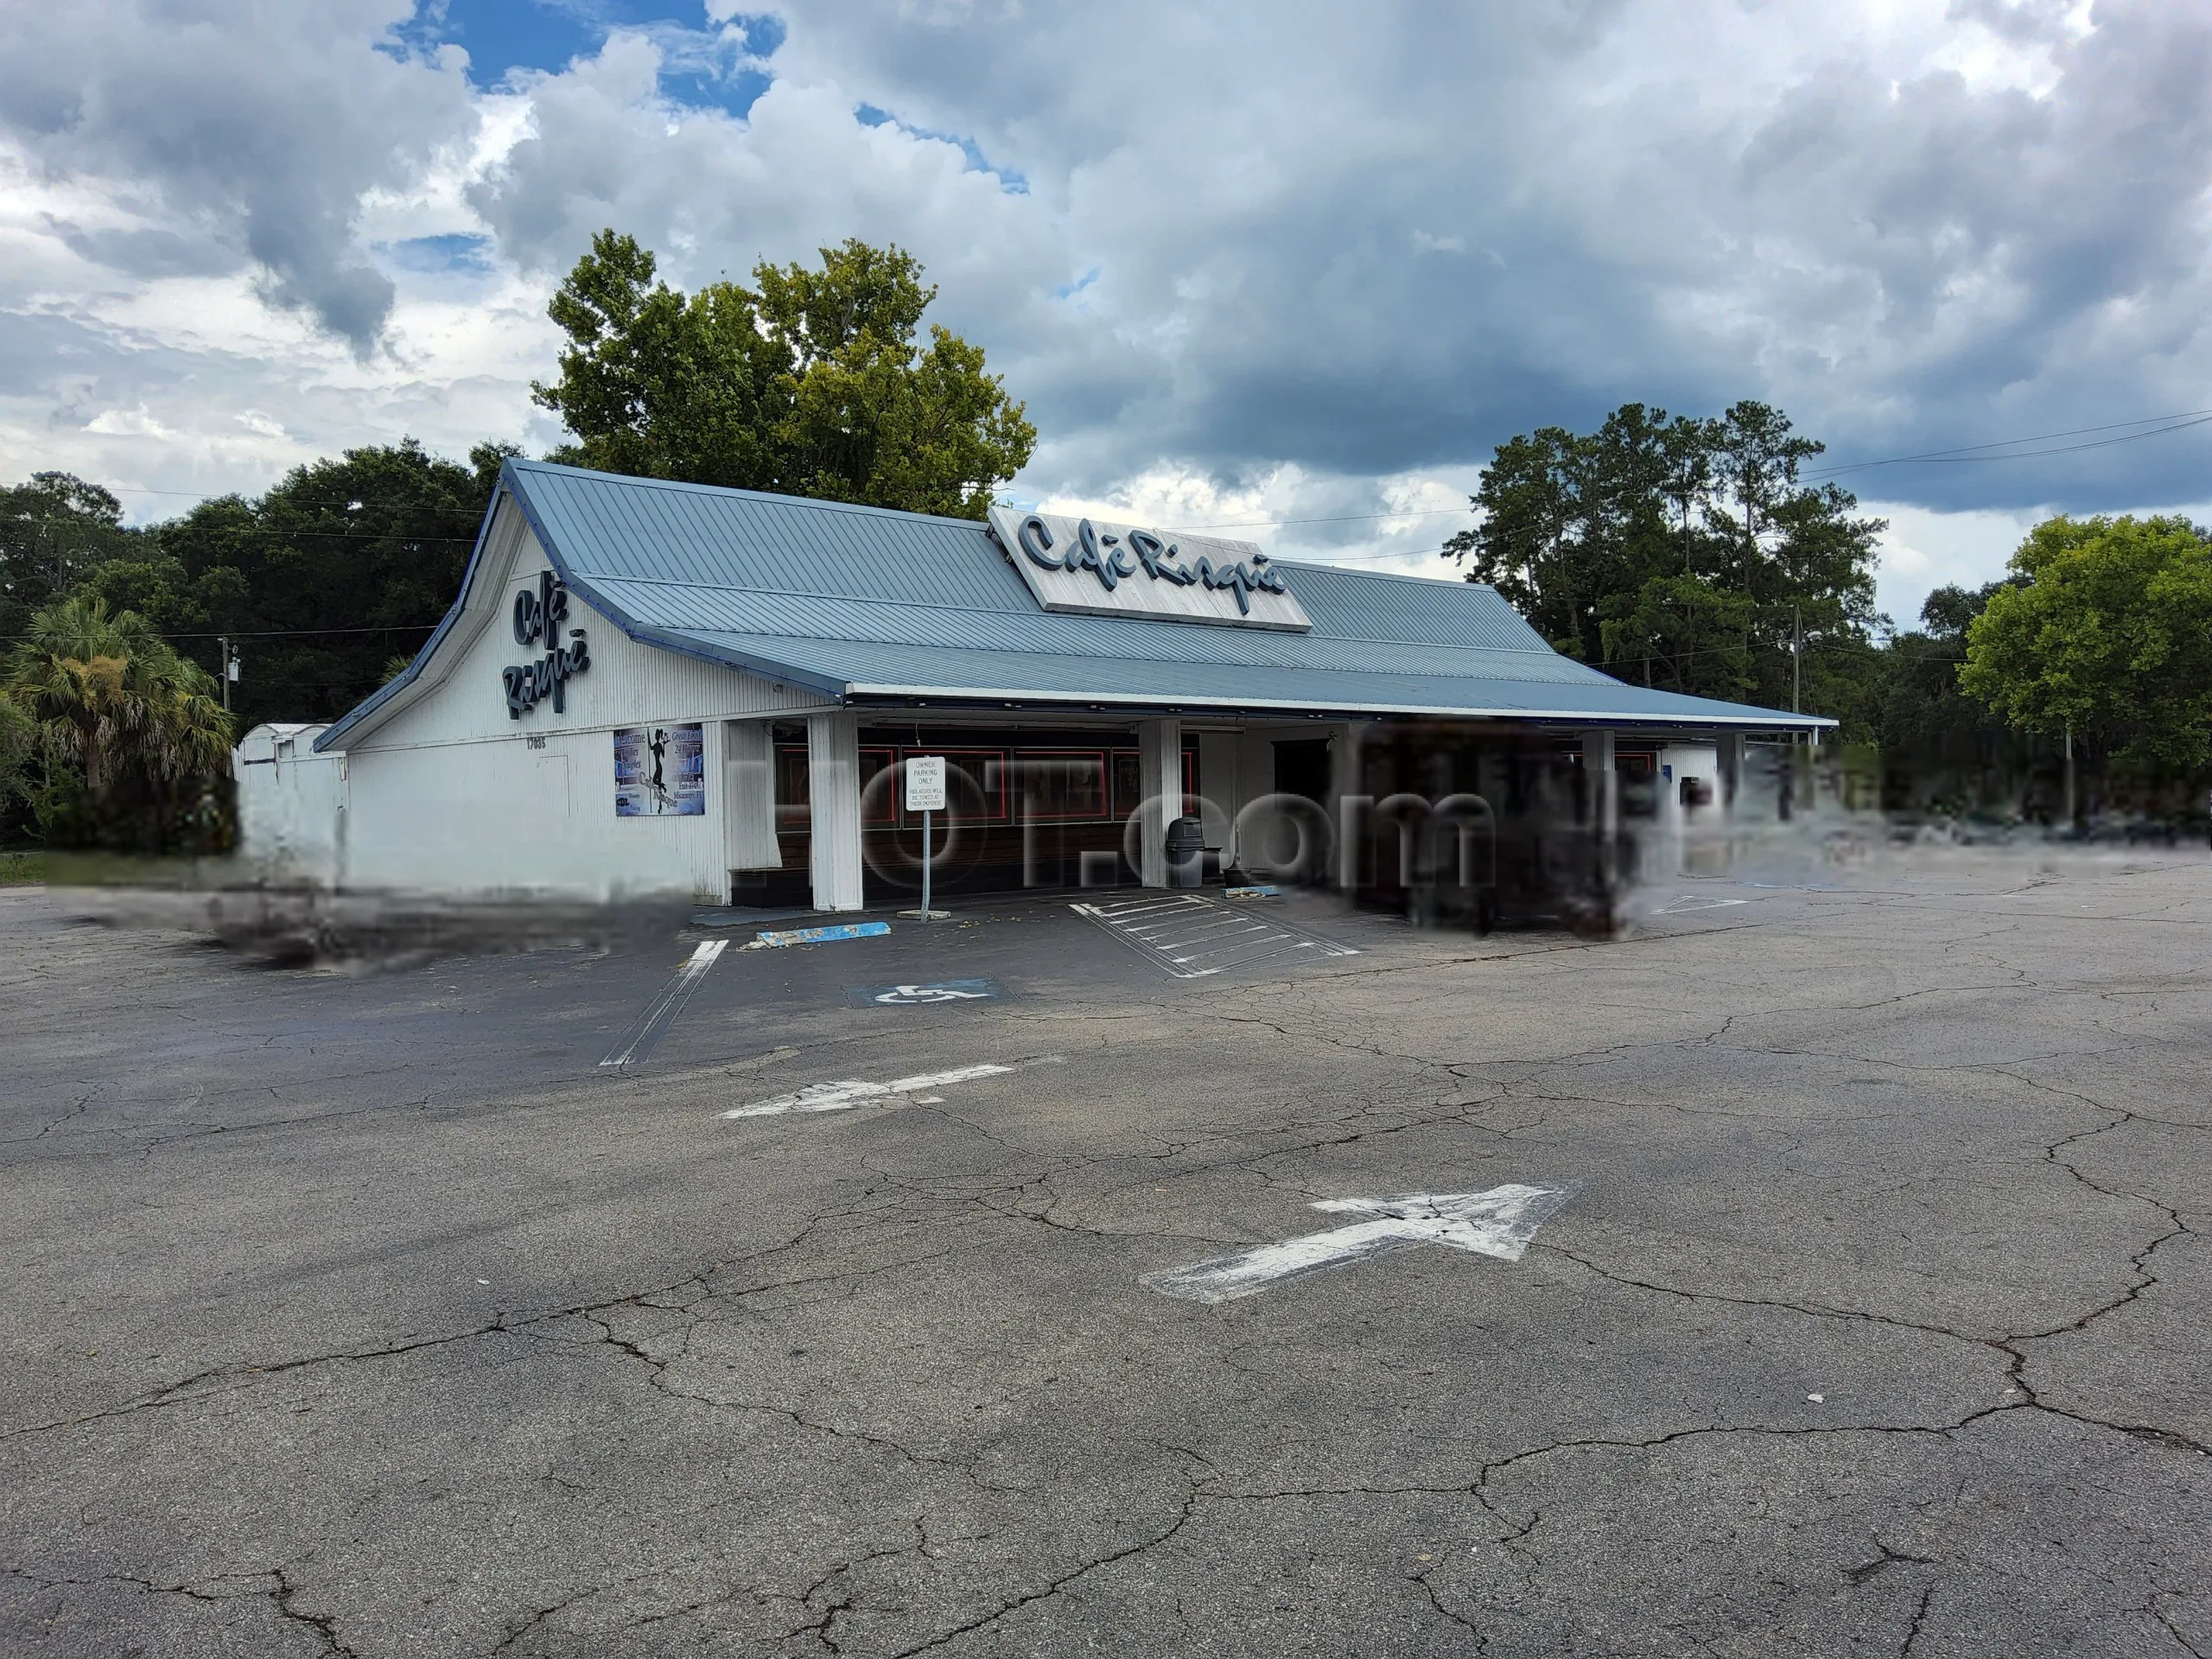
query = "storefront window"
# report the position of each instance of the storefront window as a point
(1060, 785)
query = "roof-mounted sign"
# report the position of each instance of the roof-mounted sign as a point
(1101, 569)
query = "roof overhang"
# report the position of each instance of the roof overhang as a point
(869, 695)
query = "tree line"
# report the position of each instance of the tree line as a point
(815, 381)
(1696, 554)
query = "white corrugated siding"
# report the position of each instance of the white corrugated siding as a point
(446, 795)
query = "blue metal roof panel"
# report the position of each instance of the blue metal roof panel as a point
(814, 618)
(653, 531)
(862, 601)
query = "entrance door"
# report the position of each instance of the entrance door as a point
(1302, 768)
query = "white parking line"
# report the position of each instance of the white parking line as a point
(660, 1014)
(1191, 937)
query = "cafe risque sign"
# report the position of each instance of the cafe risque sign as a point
(537, 617)
(1095, 569)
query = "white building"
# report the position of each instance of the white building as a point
(647, 687)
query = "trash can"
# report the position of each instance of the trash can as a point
(1186, 852)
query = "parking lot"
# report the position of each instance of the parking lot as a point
(366, 1311)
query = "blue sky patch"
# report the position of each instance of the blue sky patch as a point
(703, 64)
(1013, 183)
(460, 251)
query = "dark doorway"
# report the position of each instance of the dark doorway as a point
(1302, 768)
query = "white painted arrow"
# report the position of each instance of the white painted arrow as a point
(851, 1092)
(1499, 1223)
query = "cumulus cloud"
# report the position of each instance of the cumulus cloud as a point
(1915, 226)
(1290, 263)
(248, 130)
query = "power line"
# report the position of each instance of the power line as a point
(1339, 518)
(2160, 424)
(279, 634)
(1974, 452)
(149, 532)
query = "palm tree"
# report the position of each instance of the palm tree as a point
(110, 696)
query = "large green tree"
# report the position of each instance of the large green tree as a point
(1687, 553)
(2105, 632)
(55, 530)
(319, 581)
(813, 381)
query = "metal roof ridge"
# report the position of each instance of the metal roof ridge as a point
(641, 479)
(1452, 583)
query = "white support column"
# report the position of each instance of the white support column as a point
(1730, 746)
(1344, 780)
(833, 765)
(1597, 768)
(1160, 769)
(749, 796)
(1219, 791)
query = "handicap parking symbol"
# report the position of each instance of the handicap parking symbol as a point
(927, 994)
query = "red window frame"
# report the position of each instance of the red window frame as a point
(795, 787)
(1095, 756)
(884, 815)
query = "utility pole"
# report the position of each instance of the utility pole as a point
(228, 670)
(1796, 655)
(2069, 778)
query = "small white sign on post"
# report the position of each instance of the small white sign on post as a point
(925, 783)
(926, 794)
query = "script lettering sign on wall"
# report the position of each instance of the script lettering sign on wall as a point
(1101, 570)
(539, 616)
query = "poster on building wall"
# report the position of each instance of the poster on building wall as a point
(660, 772)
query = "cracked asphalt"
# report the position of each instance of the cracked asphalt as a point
(365, 1314)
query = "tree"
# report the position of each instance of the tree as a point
(319, 580)
(55, 530)
(2105, 633)
(135, 738)
(1940, 749)
(18, 746)
(811, 383)
(659, 386)
(1686, 553)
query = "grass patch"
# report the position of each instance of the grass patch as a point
(22, 869)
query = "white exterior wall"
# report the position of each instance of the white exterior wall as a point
(451, 795)
(287, 803)
(1701, 760)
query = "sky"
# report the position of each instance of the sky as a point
(1297, 268)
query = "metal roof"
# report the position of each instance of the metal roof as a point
(867, 605)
